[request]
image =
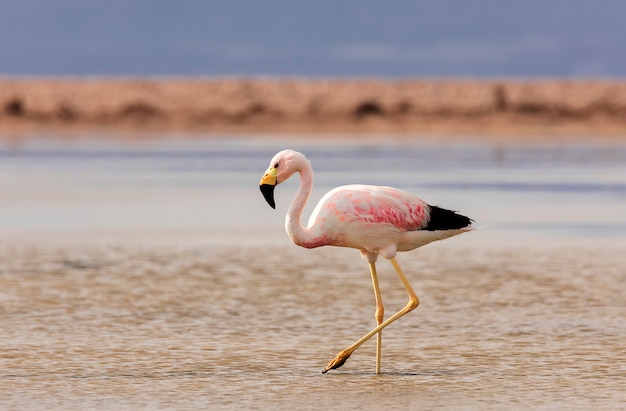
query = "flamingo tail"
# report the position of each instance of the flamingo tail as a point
(442, 219)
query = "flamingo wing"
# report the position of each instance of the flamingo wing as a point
(375, 205)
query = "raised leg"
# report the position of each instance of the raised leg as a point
(413, 302)
(379, 315)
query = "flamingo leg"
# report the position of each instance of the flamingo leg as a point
(413, 302)
(379, 314)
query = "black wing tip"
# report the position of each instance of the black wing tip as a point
(443, 219)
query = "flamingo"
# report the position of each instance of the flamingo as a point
(376, 220)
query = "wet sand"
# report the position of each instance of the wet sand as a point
(115, 326)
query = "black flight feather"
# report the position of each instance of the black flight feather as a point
(442, 219)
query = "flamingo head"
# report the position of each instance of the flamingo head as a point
(282, 166)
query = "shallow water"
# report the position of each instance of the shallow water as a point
(151, 275)
(118, 327)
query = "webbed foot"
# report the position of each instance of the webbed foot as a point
(338, 361)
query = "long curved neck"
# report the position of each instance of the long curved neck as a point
(293, 224)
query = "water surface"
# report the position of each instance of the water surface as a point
(103, 184)
(152, 275)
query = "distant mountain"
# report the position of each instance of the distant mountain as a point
(399, 38)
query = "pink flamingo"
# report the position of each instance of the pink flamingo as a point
(376, 220)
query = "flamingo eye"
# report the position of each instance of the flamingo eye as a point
(276, 165)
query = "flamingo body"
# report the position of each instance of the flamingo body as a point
(373, 219)
(376, 220)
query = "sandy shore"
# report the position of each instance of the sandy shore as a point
(547, 107)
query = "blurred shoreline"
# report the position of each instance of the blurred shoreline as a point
(542, 108)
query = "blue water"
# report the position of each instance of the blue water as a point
(52, 184)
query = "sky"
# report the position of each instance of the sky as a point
(321, 38)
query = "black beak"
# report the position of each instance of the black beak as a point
(268, 194)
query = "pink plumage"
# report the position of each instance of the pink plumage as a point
(376, 205)
(376, 220)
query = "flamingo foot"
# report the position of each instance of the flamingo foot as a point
(338, 361)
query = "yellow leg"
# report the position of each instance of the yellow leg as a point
(379, 315)
(413, 302)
